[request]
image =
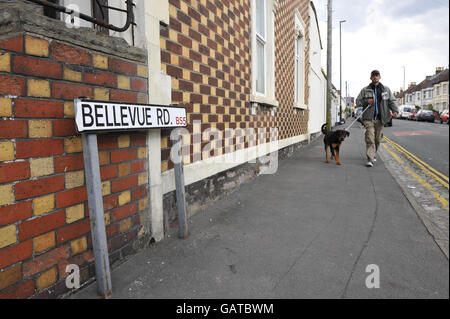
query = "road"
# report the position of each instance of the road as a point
(417, 156)
(427, 141)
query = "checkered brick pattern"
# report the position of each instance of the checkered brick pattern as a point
(289, 122)
(206, 49)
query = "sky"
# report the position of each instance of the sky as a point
(385, 35)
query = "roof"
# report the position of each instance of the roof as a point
(441, 77)
(317, 22)
(430, 81)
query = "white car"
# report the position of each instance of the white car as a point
(405, 111)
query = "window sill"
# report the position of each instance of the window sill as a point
(300, 106)
(263, 100)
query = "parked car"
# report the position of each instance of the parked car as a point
(412, 115)
(425, 115)
(444, 117)
(404, 111)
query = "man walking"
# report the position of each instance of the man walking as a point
(380, 101)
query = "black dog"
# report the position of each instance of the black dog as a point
(333, 140)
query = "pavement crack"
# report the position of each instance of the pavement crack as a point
(302, 253)
(366, 242)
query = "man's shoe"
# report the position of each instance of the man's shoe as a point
(374, 159)
(369, 164)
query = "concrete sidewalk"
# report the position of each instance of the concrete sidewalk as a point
(308, 231)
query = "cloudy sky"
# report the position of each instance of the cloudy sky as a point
(386, 35)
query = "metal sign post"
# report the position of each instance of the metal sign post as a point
(96, 214)
(96, 116)
(181, 194)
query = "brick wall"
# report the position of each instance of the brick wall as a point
(206, 49)
(289, 122)
(44, 222)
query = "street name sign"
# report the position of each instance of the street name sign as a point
(92, 117)
(95, 116)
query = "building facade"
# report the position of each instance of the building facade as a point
(247, 72)
(440, 91)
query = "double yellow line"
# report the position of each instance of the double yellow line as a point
(427, 169)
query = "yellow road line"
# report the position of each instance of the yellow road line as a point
(440, 199)
(418, 159)
(422, 165)
(445, 178)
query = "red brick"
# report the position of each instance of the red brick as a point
(138, 193)
(14, 171)
(39, 187)
(72, 197)
(124, 212)
(124, 183)
(108, 172)
(119, 241)
(22, 291)
(138, 140)
(64, 128)
(38, 108)
(101, 78)
(136, 220)
(123, 96)
(45, 261)
(37, 67)
(72, 231)
(123, 155)
(139, 85)
(138, 166)
(39, 148)
(80, 260)
(68, 91)
(14, 213)
(107, 142)
(12, 85)
(69, 54)
(121, 66)
(12, 44)
(41, 225)
(110, 202)
(69, 163)
(14, 254)
(13, 129)
(112, 230)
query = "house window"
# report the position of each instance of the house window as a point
(444, 89)
(438, 90)
(101, 14)
(263, 52)
(299, 61)
(261, 46)
(50, 12)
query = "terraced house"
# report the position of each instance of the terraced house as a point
(241, 69)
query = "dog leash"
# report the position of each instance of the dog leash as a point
(359, 116)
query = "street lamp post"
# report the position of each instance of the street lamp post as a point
(340, 72)
(404, 70)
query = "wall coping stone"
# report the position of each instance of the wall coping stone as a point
(16, 19)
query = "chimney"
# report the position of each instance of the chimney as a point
(439, 69)
(411, 84)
